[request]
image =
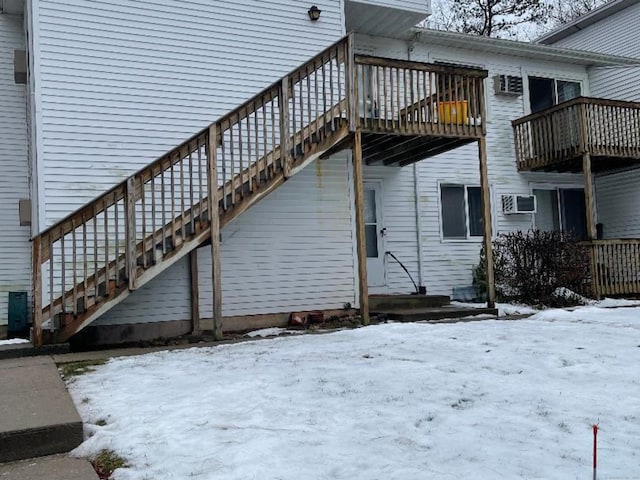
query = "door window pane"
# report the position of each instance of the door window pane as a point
(371, 236)
(568, 90)
(474, 197)
(370, 214)
(454, 220)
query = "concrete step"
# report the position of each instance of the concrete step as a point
(437, 313)
(381, 303)
(56, 467)
(37, 415)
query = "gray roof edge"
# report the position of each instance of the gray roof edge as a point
(582, 22)
(512, 47)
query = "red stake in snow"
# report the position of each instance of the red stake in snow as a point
(595, 451)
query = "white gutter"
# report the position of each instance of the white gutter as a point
(519, 49)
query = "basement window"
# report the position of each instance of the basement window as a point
(461, 212)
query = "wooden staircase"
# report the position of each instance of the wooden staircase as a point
(97, 256)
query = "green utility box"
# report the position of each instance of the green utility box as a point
(18, 315)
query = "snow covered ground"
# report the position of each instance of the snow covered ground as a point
(507, 309)
(478, 400)
(13, 341)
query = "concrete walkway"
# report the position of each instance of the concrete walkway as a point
(37, 415)
(56, 467)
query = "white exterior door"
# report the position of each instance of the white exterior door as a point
(374, 233)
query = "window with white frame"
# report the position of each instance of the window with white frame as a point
(461, 211)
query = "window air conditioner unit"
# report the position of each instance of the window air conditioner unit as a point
(512, 204)
(508, 85)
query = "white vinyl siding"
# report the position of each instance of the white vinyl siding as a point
(122, 82)
(15, 249)
(449, 263)
(616, 35)
(291, 251)
(165, 298)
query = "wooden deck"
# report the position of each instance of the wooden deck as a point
(557, 138)
(409, 111)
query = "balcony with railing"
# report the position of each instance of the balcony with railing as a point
(557, 138)
(409, 111)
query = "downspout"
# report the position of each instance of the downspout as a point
(416, 184)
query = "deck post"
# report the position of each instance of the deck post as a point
(285, 147)
(214, 222)
(358, 189)
(486, 221)
(591, 219)
(37, 290)
(130, 234)
(351, 83)
(195, 292)
(588, 195)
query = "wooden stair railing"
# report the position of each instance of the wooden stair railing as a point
(91, 260)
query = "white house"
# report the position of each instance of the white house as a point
(122, 242)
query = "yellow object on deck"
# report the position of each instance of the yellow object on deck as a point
(456, 113)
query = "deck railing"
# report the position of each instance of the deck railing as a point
(616, 267)
(603, 128)
(416, 98)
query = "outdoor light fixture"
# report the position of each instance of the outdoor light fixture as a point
(314, 13)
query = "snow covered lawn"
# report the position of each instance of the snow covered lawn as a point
(479, 400)
(13, 341)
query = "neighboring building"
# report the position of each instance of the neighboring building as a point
(113, 85)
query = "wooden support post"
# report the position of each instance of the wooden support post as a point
(591, 220)
(351, 85)
(358, 189)
(589, 197)
(486, 221)
(285, 147)
(588, 194)
(195, 292)
(214, 222)
(37, 289)
(130, 232)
